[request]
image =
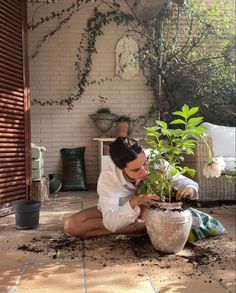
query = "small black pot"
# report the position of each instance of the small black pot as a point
(27, 214)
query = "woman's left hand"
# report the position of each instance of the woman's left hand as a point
(187, 192)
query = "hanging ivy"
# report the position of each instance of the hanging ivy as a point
(93, 29)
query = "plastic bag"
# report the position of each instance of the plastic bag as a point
(204, 225)
(74, 175)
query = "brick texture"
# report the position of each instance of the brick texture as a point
(52, 75)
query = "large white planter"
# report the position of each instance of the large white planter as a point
(168, 228)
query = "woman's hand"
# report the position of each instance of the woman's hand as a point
(187, 192)
(144, 200)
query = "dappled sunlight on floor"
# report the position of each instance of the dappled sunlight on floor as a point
(32, 261)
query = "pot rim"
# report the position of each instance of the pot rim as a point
(171, 205)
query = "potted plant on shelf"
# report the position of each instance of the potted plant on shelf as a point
(122, 125)
(104, 119)
(168, 226)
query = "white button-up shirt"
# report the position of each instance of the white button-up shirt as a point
(114, 192)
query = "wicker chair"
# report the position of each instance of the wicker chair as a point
(210, 189)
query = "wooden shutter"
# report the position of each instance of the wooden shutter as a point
(15, 168)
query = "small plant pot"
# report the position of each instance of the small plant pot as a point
(27, 214)
(122, 129)
(55, 183)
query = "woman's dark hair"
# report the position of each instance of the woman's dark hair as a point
(124, 150)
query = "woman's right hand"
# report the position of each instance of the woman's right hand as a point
(144, 200)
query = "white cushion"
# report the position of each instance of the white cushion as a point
(223, 139)
(230, 163)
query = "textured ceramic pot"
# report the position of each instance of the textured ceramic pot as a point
(104, 121)
(168, 228)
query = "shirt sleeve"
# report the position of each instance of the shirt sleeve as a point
(180, 181)
(116, 217)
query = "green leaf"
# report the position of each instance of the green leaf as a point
(179, 113)
(195, 121)
(166, 132)
(178, 121)
(197, 131)
(193, 110)
(178, 133)
(185, 110)
(151, 143)
(162, 124)
(151, 129)
(190, 171)
(151, 134)
(174, 172)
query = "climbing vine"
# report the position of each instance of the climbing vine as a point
(188, 52)
(93, 29)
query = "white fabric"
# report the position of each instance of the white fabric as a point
(223, 139)
(230, 163)
(114, 193)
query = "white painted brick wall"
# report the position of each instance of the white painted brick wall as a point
(52, 75)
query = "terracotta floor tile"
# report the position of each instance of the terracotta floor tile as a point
(189, 285)
(226, 277)
(116, 276)
(65, 289)
(109, 264)
(9, 275)
(13, 258)
(90, 202)
(120, 287)
(47, 275)
(4, 290)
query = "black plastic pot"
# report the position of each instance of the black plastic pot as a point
(27, 214)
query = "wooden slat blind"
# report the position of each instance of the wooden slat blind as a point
(15, 163)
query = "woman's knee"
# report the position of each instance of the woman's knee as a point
(69, 226)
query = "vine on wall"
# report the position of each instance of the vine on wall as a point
(189, 51)
(93, 29)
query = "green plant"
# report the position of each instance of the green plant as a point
(103, 110)
(123, 118)
(190, 58)
(189, 52)
(168, 147)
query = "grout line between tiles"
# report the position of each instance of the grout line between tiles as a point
(84, 283)
(228, 208)
(145, 271)
(26, 265)
(222, 285)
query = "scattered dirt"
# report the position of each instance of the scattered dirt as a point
(203, 256)
(59, 247)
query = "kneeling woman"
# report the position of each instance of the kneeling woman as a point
(119, 207)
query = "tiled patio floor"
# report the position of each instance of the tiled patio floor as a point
(111, 264)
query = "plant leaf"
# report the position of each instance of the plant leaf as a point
(179, 113)
(185, 110)
(194, 121)
(162, 124)
(193, 110)
(178, 121)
